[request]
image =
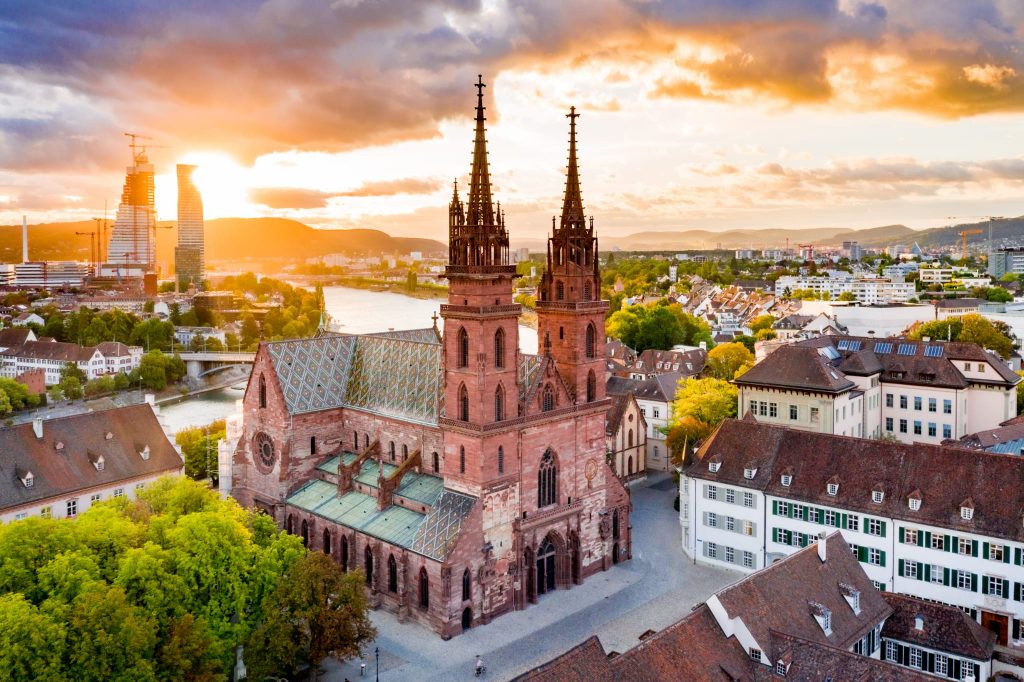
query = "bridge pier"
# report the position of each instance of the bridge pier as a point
(194, 368)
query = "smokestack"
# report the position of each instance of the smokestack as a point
(24, 239)
(822, 550)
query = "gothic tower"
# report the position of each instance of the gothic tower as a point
(570, 312)
(481, 332)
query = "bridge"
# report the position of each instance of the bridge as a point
(203, 363)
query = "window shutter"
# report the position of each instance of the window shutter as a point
(974, 548)
(947, 543)
(806, 512)
(775, 507)
(881, 558)
(902, 562)
(1016, 591)
(974, 582)
(945, 576)
(1006, 554)
(984, 550)
(1017, 556)
(920, 538)
(902, 534)
(883, 528)
(925, 573)
(1006, 589)
(984, 584)
(862, 554)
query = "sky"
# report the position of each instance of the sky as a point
(710, 114)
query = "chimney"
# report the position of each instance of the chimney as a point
(703, 345)
(150, 399)
(24, 239)
(37, 427)
(821, 546)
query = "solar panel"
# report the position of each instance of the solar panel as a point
(854, 345)
(843, 344)
(933, 351)
(906, 349)
(883, 347)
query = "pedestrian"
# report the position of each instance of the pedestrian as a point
(362, 669)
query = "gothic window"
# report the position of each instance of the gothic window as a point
(263, 392)
(591, 340)
(355, 440)
(467, 584)
(462, 459)
(499, 403)
(327, 542)
(549, 398)
(587, 291)
(629, 466)
(305, 533)
(501, 460)
(312, 445)
(547, 480)
(630, 439)
(405, 452)
(499, 348)
(392, 574)
(424, 589)
(344, 553)
(591, 387)
(368, 565)
(463, 403)
(559, 291)
(289, 525)
(437, 463)
(463, 347)
(391, 449)
(366, 440)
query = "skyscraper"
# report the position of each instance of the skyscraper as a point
(131, 249)
(189, 255)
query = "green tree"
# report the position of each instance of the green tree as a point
(109, 638)
(71, 387)
(152, 371)
(152, 334)
(18, 394)
(847, 296)
(70, 370)
(765, 335)
(699, 407)
(100, 385)
(724, 359)
(317, 610)
(761, 322)
(31, 644)
(999, 295)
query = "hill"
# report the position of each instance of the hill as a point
(226, 239)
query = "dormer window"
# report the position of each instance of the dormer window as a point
(108, 435)
(59, 445)
(877, 496)
(714, 466)
(833, 489)
(27, 479)
(144, 453)
(824, 617)
(787, 480)
(852, 596)
(97, 461)
(914, 503)
(780, 668)
(966, 513)
(749, 472)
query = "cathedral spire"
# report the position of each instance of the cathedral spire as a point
(572, 206)
(480, 210)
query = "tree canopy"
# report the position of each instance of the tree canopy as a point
(725, 359)
(971, 328)
(700, 405)
(657, 326)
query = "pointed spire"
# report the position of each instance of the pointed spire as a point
(572, 206)
(480, 210)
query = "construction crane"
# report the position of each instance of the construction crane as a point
(810, 250)
(92, 244)
(964, 233)
(101, 239)
(963, 238)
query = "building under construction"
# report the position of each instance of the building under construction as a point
(131, 251)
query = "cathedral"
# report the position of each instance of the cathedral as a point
(465, 478)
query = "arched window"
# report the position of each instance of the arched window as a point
(549, 398)
(424, 589)
(499, 403)
(559, 291)
(463, 403)
(591, 340)
(629, 466)
(463, 347)
(344, 553)
(263, 392)
(305, 533)
(501, 460)
(327, 542)
(467, 585)
(355, 440)
(629, 441)
(312, 445)
(499, 348)
(366, 440)
(591, 386)
(368, 565)
(462, 459)
(392, 574)
(437, 463)
(405, 452)
(587, 291)
(547, 480)
(289, 525)
(391, 449)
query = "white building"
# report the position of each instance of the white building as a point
(940, 523)
(46, 274)
(52, 356)
(914, 391)
(60, 467)
(870, 291)
(654, 395)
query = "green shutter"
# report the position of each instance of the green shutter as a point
(974, 548)
(775, 507)
(984, 584)
(945, 576)
(925, 573)
(883, 528)
(920, 538)
(1017, 557)
(984, 551)
(862, 554)
(902, 534)
(974, 582)
(1006, 589)
(901, 571)
(927, 538)
(1016, 591)
(881, 555)
(806, 512)
(775, 534)
(947, 542)
(1006, 554)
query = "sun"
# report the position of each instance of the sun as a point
(223, 183)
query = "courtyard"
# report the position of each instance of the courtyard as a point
(656, 588)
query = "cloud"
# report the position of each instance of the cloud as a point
(391, 187)
(299, 198)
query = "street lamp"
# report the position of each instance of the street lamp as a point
(376, 654)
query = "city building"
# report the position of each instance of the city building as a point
(626, 437)
(813, 617)
(1008, 260)
(955, 307)
(914, 391)
(190, 253)
(51, 356)
(654, 395)
(118, 357)
(865, 290)
(744, 254)
(131, 250)
(58, 468)
(465, 478)
(851, 250)
(51, 274)
(939, 523)
(27, 318)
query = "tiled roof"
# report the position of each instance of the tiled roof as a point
(684, 362)
(945, 628)
(944, 476)
(798, 366)
(113, 349)
(51, 350)
(384, 374)
(436, 535)
(60, 461)
(14, 336)
(992, 438)
(529, 371)
(620, 385)
(425, 335)
(661, 387)
(957, 303)
(614, 416)
(812, 661)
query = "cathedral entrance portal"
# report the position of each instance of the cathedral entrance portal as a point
(545, 567)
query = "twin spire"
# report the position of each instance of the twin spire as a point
(572, 204)
(480, 210)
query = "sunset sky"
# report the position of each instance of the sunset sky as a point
(695, 113)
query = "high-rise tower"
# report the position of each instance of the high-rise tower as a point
(570, 312)
(131, 249)
(189, 255)
(481, 333)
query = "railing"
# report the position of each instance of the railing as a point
(517, 421)
(508, 309)
(480, 270)
(573, 305)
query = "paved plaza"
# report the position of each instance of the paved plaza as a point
(656, 588)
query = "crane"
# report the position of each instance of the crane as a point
(93, 237)
(963, 238)
(810, 250)
(101, 239)
(964, 233)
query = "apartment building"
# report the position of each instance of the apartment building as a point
(913, 391)
(51, 356)
(939, 523)
(874, 290)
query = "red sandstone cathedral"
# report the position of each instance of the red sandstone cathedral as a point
(463, 477)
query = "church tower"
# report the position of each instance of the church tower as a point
(570, 312)
(481, 332)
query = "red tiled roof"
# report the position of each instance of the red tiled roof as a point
(946, 628)
(797, 366)
(51, 350)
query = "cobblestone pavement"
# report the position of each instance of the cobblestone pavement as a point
(654, 589)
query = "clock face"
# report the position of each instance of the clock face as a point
(263, 452)
(590, 470)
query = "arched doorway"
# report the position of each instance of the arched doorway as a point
(467, 618)
(327, 542)
(546, 567)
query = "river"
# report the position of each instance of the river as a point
(353, 311)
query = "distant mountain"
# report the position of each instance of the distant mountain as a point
(756, 239)
(226, 239)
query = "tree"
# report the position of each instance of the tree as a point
(151, 370)
(1020, 394)
(765, 335)
(847, 296)
(70, 369)
(724, 359)
(699, 407)
(71, 387)
(316, 610)
(100, 385)
(761, 322)
(17, 394)
(999, 295)
(109, 638)
(971, 328)
(31, 644)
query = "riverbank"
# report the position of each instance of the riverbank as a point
(423, 290)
